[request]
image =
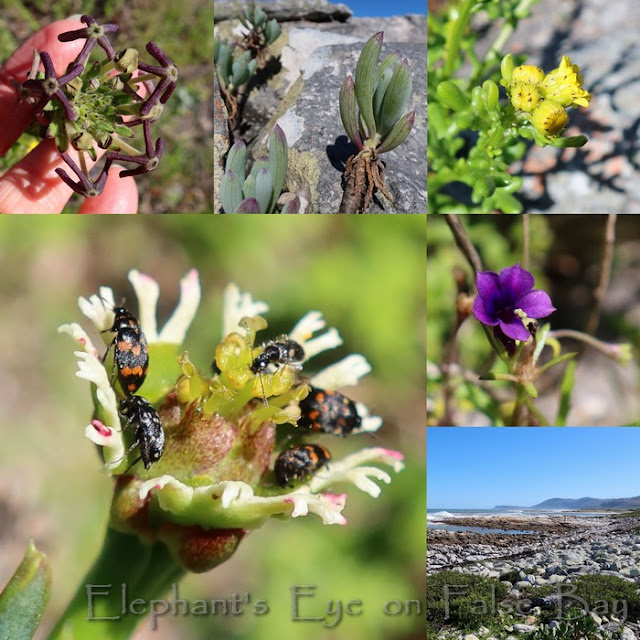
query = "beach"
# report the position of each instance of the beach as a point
(561, 548)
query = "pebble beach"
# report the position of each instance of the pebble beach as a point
(559, 549)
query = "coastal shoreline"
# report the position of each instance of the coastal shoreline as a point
(561, 550)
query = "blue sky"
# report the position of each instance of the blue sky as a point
(483, 467)
(378, 8)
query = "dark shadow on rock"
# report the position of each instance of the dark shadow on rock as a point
(339, 152)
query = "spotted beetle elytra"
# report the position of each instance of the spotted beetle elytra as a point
(130, 354)
(299, 462)
(149, 435)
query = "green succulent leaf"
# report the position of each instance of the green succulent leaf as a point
(452, 96)
(224, 61)
(264, 190)
(249, 188)
(272, 31)
(378, 94)
(396, 98)
(230, 192)
(570, 141)
(250, 205)
(398, 134)
(240, 72)
(259, 17)
(347, 101)
(278, 158)
(506, 69)
(365, 75)
(236, 160)
(23, 600)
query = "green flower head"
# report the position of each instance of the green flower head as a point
(222, 433)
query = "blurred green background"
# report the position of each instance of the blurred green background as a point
(365, 273)
(182, 181)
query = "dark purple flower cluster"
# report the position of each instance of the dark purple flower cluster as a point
(98, 104)
(503, 300)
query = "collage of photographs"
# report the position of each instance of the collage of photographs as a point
(374, 428)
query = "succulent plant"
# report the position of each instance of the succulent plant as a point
(233, 71)
(378, 124)
(236, 63)
(381, 96)
(260, 190)
(263, 32)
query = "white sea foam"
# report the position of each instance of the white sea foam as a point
(439, 515)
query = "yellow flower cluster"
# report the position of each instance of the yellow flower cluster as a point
(546, 97)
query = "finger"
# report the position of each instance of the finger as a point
(120, 195)
(32, 186)
(17, 115)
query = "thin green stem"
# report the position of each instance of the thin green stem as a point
(146, 571)
(609, 350)
(455, 38)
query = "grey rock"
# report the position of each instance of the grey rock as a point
(283, 10)
(524, 628)
(627, 634)
(220, 141)
(321, 148)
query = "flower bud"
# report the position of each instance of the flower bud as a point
(549, 118)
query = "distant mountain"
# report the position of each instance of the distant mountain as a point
(585, 503)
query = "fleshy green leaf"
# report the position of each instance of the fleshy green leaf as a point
(570, 141)
(365, 75)
(264, 190)
(272, 31)
(565, 394)
(230, 192)
(250, 205)
(236, 160)
(395, 98)
(451, 95)
(378, 94)
(259, 17)
(240, 72)
(278, 158)
(249, 188)
(23, 600)
(347, 102)
(398, 134)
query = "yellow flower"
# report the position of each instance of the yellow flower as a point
(549, 118)
(524, 96)
(527, 73)
(564, 85)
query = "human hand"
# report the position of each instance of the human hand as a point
(32, 186)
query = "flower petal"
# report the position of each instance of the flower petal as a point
(515, 329)
(536, 304)
(515, 281)
(484, 315)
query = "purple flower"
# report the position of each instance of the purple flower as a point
(502, 297)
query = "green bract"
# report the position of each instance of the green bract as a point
(381, 96)
(260, 190)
